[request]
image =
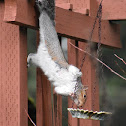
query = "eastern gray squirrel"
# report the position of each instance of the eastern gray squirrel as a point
(49, 57)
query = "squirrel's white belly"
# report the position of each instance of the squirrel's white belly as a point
(54, 72)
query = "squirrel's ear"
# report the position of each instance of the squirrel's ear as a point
(85, 87)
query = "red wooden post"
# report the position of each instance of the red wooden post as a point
(72, 59)
(112, 10)
(43, 98)
(13, 73)
(57, 110)
(44, 106)
(72, 24)
(89, 78)
(39, 99)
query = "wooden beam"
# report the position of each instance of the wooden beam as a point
(13, 74)
(66, 6)
(69, 24)
(90, 79)
(57, 110)
(44, 106)
(77, 26)
(21, 12)
(72, 59)
(112, 9)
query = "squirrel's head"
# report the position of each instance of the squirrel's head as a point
(80, 96)
(31, 59)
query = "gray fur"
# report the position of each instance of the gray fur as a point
(47, 30)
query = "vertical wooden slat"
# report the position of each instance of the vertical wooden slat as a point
(89, 78)
(57, 106)
(39, 99)
(13, 74)
(43, 98)
(23, 76)
(72, 59)
(57, 110)
(44, 106)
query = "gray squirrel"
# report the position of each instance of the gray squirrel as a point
(49, 57)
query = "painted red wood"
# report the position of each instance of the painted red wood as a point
(20, 12)
(57, 110)
(44, 106)
(112, 9)
(70, 24)
(82, 11)
(81, 4)
(13, 74)
(39, 99)
(72, 59)
(62, 1)
(90, 79)
(66, 6)
(79, 27)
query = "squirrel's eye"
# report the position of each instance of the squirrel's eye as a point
(84, 96)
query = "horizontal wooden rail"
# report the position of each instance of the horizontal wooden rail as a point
(77, 26)
(69, 24)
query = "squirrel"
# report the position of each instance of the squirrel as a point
(65, 78)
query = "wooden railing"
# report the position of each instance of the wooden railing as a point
(74, 20)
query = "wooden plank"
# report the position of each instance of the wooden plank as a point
(112, 9)
(57, 110)
(13, 74)
(69, 24)
(44, 106)
(21, 12)
(39, 99)
(43, 98)
(72, 59)
(81, 4)
(66, 6)
(89, 78)
(62, 1)
(23, 75)
(79, 27)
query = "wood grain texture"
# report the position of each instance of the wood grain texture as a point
(44, 106)
(66, 6)
(57, 110)
(112, 9)
(62, 1)
(89, 79)
(72, 59)
(13, 74)
(39, 100)
(79, 27)
(21, 12)
(81, 4)
(43, 98)
(69, 24)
